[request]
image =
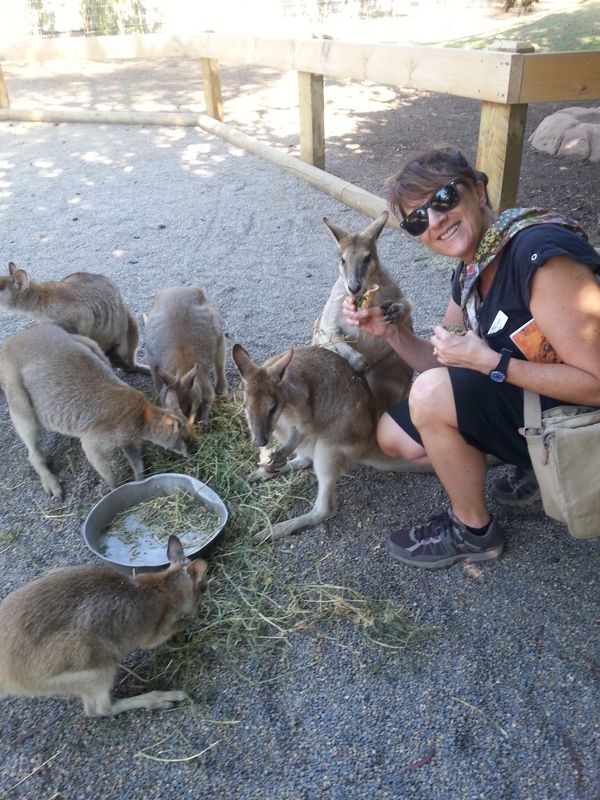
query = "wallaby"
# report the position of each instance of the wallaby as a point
(63, 382)
(363, 277)
(315, 405)
(184, 342)
(83, 303)
(66, 632)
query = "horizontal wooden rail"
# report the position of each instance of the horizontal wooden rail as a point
(353, 196)
(505, 82)
(479, 74)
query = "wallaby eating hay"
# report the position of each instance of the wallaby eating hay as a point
(317, 407)
(363, 277)
(65, 633)
(83, 303)
(63, 382)
(184, 342)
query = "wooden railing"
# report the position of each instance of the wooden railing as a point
(504, 82)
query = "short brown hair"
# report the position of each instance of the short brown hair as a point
(425, 172)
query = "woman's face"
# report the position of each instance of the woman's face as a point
(457, 232)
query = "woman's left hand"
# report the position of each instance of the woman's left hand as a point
(469, 351)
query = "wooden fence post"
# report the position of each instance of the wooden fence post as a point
(500, 142)
(4, 101)
(212, 88)
(312, 126)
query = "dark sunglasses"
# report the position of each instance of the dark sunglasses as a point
(444, 199)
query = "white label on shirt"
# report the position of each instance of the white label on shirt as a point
(498, 323)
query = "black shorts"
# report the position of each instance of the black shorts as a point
(489, 415)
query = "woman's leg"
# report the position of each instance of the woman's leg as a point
(460, 467)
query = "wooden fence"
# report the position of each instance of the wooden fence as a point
(504, 82)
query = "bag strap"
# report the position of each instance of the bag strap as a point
(532, 428)
(532, 409)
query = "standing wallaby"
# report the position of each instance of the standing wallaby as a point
(62, 382)
(363, 277)
(315, 405)
(184, 343)
(65, 633)
(83, 303)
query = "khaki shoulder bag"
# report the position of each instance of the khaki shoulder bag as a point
(564, 446)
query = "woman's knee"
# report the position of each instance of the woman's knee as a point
(432, 399)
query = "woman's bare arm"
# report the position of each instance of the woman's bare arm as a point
(565, 303)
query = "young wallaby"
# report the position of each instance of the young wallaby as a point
(63, 382)
(317, 407)
(184, 343)
(66, 632)
(83, 303)
(363, 277)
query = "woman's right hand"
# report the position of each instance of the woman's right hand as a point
(372, 320)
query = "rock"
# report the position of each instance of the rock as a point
(572, 132)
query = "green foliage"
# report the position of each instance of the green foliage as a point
(523, 6)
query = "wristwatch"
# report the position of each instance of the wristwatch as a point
(498, 374)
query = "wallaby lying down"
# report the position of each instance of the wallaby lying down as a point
(83, 303)
(318, 407)
(65, 633)
(363, 277)
(184, 342)
(61, 382)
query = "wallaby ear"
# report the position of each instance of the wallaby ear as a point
(243, 362)
(197, 569)
(373, 230)
(175, 552)
(277, 370)
(337, 232)
(189, 376)
(169, 399)
(166, 377)
(20, 279)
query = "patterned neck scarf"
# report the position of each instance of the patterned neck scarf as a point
(509, 223)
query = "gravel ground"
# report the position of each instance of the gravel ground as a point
(503, 701)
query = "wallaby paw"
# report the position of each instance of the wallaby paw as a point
(222, 391)
(259, 475)
(394, 312)
(52, 487)
(357, 361)
(171, 699)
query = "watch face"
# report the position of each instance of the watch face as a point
(497, 376)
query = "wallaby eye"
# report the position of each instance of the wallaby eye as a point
(272, 410)
(366, 260)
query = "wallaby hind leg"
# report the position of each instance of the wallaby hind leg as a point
(94, 687)
(221, 379)
(328, 464)
(101, 704)
(124, 353)
(99, 458)
(26, 425)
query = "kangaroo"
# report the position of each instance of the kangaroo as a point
(63, 382)
(66, 632)
(315, 405)
(83, 303)
(363, 277)
(184, 342)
